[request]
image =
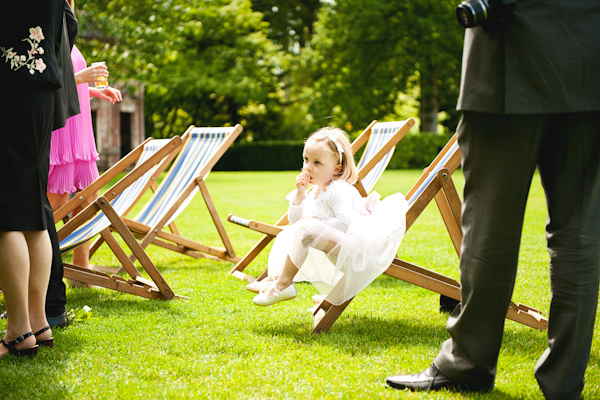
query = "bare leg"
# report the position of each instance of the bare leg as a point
(81, 255)
(57, 200)
(286, 278)
(40, 258)
(15, 272)
(282, 289)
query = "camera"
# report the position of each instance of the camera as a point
(490, 14)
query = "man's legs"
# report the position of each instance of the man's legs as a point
(570, 171)
(56, 297)
(499, 159)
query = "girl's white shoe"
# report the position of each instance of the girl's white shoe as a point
(259, 286)
(288, 293)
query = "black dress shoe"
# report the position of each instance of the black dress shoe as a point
(58, 321)
(430, 379)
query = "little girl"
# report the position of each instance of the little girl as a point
(336, 236)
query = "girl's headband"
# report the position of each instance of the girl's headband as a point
(338, 146)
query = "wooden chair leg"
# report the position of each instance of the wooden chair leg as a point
(325, 316)
(139, 252)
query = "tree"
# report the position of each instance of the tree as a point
(364, 53)
(290, 21)
(202, 62)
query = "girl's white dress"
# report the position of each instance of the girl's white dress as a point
(338, 236)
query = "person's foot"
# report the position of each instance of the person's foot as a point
(277, 295)
(430, 379)
(23, 345)
(58, 321)
(44, 337)
(259, 286)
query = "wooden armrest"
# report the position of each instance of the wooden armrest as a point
(267, 229)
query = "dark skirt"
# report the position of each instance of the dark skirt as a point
(25, 131)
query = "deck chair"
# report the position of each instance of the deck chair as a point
(202, 148)
(151, 157)
(380, 139)
(435, 183)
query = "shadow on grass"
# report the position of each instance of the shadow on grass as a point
(360, 334)
(368, 334)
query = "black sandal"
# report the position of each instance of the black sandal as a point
(47, 342)
(32, 351)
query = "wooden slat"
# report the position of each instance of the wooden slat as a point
(134, 246)
(215, 217)
(258, 247)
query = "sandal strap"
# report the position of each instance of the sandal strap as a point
(17, 340)
(11, 345)
(44, 329)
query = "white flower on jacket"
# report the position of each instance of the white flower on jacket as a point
(18, 61)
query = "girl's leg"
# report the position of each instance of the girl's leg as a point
(57, 200)
(14, 276)
(285, 279)
(81, 255)
(289, 271)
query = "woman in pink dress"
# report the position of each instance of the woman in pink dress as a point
(73, 152)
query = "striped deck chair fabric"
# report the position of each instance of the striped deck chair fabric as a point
(201, 150)
(201, 147)
(108, 210)
(121, 204)
(413, 195)
(381, 133)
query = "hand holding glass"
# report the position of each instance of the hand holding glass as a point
(102, 81)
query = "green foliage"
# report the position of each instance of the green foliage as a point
(280, 68)
(417, 150)
(79, 315)
(210, 62)
(290, 21)
(262, 156)
(364, 54)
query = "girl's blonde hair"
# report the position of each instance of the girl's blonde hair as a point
(332, 137)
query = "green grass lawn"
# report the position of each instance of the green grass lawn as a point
(218, 345)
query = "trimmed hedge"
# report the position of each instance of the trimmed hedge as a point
(415, 151)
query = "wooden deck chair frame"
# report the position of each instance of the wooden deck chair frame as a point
(158, 235)
(155, 287)
(376, 154)
(435, 183)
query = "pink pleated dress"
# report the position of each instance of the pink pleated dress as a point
(73, 152)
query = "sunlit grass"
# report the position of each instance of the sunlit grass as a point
(218, 345)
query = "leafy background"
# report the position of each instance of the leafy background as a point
(280, 68)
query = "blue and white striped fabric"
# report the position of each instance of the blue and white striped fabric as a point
(199, 149)
(441, 164)
(121, 203)
(381, 133)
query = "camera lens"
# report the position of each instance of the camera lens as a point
(471, 13)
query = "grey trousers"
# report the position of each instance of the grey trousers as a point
(500, 156)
